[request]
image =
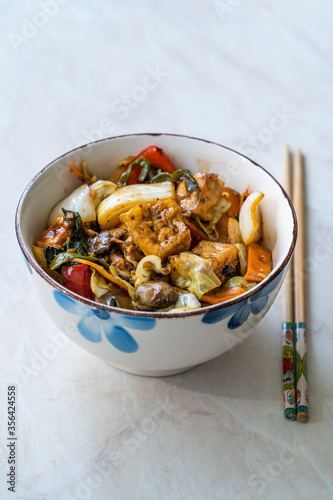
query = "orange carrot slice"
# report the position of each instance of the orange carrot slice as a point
(234, 197)
(197, 234)
(258, 263)
(223, 295)
(222, 225)
(77, 172)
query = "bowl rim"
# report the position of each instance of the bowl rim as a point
(152, 314)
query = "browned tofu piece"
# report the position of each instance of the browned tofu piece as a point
(158, 229)
(221, 255)
(201, 202)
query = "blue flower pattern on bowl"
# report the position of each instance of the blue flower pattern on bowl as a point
(241, 311)
(94, 322)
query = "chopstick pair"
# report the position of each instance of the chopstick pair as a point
(294, 342)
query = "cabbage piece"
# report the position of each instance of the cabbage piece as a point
(80, 200)
(100, 190)
(240, 282)
(220, 208)
(194, 274)
(41, 260)
(186, 302)
(98, 284)
(130, 289)
(120, 282)
(208, 228)
(242, 257)
(234, 234)
(147, 265)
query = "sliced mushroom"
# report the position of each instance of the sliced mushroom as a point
(116, 297)
(155, 295)
(101, 243)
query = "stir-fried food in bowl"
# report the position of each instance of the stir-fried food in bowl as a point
(155, 238)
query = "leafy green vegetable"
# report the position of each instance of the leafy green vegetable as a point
(64, 258)
(98, 284)
(144, 170)
(178, 175)
(162, 177)
(50, 252)
(79, 237)
(140, 162)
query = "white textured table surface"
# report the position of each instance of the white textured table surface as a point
(252, 75)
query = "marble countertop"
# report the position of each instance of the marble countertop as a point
(250, 75)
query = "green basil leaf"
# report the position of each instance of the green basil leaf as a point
(178, 175)
(144, 170)
(64, 258)
(140, 162)
(162, 177)
(190, 182)
(79, 236)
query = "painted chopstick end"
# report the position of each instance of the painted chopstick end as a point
(290, 413)
(302, 417)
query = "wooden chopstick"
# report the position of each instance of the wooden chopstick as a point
(302, 408)
(295, 385)
(288, 338)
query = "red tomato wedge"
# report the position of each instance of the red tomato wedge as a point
(77, 279)
(156, 157)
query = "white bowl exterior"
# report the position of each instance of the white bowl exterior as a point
(174, 343)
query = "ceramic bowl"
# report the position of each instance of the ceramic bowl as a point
(146, 343)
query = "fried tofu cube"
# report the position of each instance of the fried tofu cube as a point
(158, 229)
(223, 257)
(201, 203)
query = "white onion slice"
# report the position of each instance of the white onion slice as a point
(101, 189)
(250, 218)
(80, 200)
